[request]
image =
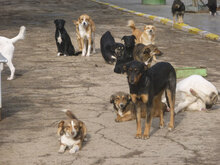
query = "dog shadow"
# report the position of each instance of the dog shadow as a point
(155, 122)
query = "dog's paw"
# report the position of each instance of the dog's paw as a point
(138, 136)
(170, 128)
(10, 78)
(74, 149)
(161, 126)
(145, 137)
(58, 54)
(62, 149)
(88, 54)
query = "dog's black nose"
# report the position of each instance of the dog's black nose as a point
(84, 23)
(121, 105)
(151, 31)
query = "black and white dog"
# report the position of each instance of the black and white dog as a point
(63, 41)
(212, 5)
(107, 44)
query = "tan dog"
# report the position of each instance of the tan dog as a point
(85, 29)
(72, 133)
(146, 37)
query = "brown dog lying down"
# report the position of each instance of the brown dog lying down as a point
(146, 54)
(125, 109)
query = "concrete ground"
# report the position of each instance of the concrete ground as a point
(46, 84)
(201, 20)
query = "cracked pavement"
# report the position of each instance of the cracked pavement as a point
(46, 84)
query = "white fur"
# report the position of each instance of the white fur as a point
(120, 113)
(59, 39)
(201, 86)
(68, 141)
(85, 36)
(7, 49)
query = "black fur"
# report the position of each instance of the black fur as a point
(121, 60)
(107, 44)
(129, 42)
(159, 77)
(178, 8)
(212, 5)
(65, 47)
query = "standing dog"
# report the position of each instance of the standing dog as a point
(146, 37)
(148, 85)
(72, 133)
(87, 34)
(196, 93)
(178, 10)
(125, 109)
(63, 41)
(7, 49)
(107, 44)
(212, 5)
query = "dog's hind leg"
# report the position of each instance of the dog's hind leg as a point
(12, 69)
(93, 42)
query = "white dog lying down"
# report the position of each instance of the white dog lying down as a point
(7, 49)
(196, 93)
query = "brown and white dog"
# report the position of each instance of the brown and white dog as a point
(76, 23)
(85, 34)
(146, 37)
(72, 133)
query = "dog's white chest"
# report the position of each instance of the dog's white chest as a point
(83, 32)
(59, 39)
(68, 141)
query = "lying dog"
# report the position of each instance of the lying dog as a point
(107, 44)
(7, 49)
(148, 85)
(212, 5)
(178, 10)
(146, 54)
(72, 133)
(146, 37)
(196, 93)
(63, 41)
(125, 109)
(86, 34)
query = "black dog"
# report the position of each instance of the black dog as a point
(121, 60)
(107, 44)
(126, 54)
(64, 44)
(212, 5)
(129, 42)
(148, 85)
(178, 10)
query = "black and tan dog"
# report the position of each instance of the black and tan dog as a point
(125, 109)
(148, 85)
(178, 10)
(146, 54)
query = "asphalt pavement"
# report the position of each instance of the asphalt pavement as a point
(203, 21)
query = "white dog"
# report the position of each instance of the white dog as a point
(7, 49)
(196, 93)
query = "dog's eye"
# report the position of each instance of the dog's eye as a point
(75, 127)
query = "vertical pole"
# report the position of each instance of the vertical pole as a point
(1, 68)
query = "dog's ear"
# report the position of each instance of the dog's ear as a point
(75, 22)
(123, 38)
(128, 97)
(133, 37)
(112, 98)
(61, 124)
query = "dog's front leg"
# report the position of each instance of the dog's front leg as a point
(148, 121)
(89, 46)
(93, 42)
(138, 115)
(62, 148)
(83, 43)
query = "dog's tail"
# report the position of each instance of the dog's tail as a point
(131, 24)
(77, 53)
(20, 35)
(69, 114)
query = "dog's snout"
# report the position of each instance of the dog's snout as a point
(84, 23)
(121, 105)
(151, 30)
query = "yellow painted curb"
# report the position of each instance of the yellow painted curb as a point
(194, 30)
(164, 20)
(152, 17)
(212, 36)
(140, 14)
(179, 25)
